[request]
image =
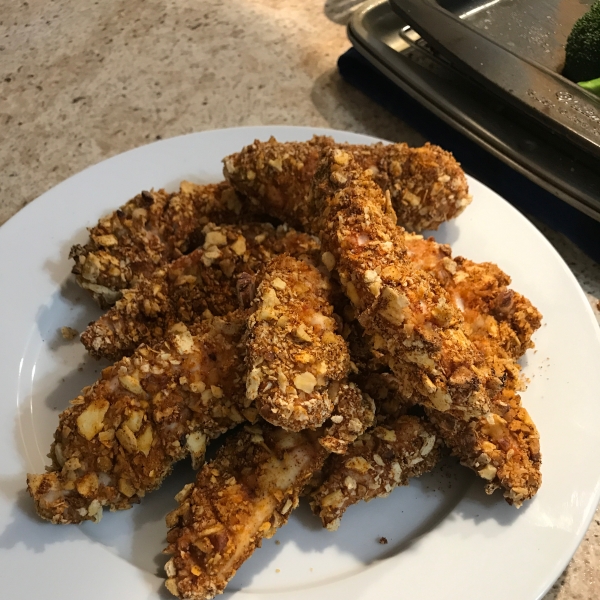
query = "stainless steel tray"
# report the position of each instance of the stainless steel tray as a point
(531, 147)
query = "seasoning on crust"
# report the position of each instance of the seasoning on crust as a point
(426, 185)
(241, 497)
(120, 438)
(148, 232)
(182, 291)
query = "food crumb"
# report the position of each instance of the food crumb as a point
(277, 542)
(311, 569)
(277, 570)
(382, 540)
(68, 333)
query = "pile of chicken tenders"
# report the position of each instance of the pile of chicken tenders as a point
(295, 306)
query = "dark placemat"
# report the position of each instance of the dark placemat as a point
(522, 193)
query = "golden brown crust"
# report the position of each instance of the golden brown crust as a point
(120, 438)
(353, 414)
(146, 233)
(411, 320)
(294, 356)
(381, 459)
(244, 495)
(492, 312)
(427, 185)
(504, 446)
(182, 291)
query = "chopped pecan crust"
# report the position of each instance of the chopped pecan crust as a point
(120, 438)
(203, 282)
(295, 359)
(148, 232)
(241, 497)
(381, 459)
(426, 185)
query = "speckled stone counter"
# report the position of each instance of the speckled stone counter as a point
(83, 81)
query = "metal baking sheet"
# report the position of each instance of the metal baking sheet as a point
(537, 29)
(508, 69)
(547, 159)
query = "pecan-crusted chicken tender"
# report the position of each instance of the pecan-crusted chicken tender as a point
(354, 412)
(381, 459)
(149, 231)
(204, 280)
(493, 313)
(244, 495)
(120, 438)
(426, 185)
(502, 447)
(411, 320)
(295, 359)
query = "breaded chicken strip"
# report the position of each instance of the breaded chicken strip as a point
(493, 313)
(426, 185)
(504, 446)
(244, 495)
(387, 456)
(294, 356)
(353, 414)
(409, 317)
(204, 280)
(120, 438)
(148, 232)
(416, 327)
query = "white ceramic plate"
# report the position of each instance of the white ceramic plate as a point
(446, 539)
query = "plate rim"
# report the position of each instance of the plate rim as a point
(12, 225)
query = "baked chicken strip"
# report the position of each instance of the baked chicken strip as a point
(409, 317)
(120, 438)
(295, 358)
(504, 446)
(387, 456)
(148, 232)
(426, 185)
(204, 280)
(497, 319)
(244, 495)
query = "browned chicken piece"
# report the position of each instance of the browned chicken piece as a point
(244, 495)
(387, 456)
(182, 291)
(504, 446)
(415, 325)
(120, 438)
(148, 232)
(386, 392)
(493, 313)
(409, 317)
(426, 185)
(353, 414)
(295, 359)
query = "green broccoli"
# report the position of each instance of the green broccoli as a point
(582, 61)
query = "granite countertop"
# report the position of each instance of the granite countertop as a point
(83, 81)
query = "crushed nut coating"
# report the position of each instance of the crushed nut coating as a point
(182, 291)
(381, 459)
(295, 359)
(354, 413)
(503, 448)
(410, 318)
(146, 233)
(426, 185)
(120, 438)
(241, 497)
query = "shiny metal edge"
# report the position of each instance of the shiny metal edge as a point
(371, 31)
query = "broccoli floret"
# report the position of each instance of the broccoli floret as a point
(591, 86)
(582, 61)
